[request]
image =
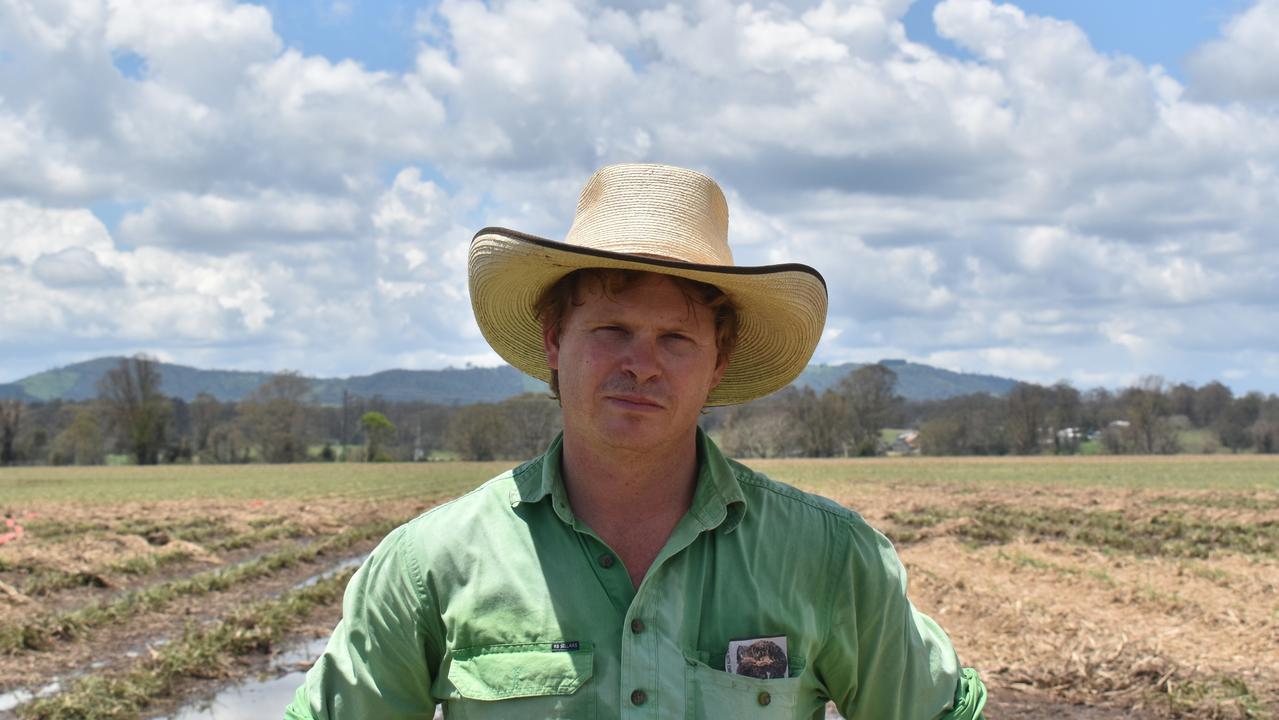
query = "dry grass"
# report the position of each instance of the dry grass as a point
(1081, 588)
(1118, 600)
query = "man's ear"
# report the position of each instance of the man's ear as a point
(551, 341)
(720, 366)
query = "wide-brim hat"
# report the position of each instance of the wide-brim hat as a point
(659, 219)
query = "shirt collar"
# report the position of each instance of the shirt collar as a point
(717, 502)
(541, 477)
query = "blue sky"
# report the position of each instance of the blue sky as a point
(1044, 190)
(1153, 31)
(380, 34)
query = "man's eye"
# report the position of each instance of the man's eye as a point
(678, 336)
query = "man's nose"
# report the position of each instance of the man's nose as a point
(641, 358)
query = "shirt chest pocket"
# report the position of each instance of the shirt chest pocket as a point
(714, 693)
(531, 680)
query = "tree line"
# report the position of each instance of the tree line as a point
(277, 423)
(1151, 416)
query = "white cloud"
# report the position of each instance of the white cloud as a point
(1004, 361)
(73, 267)
(1240, 65)
(178, 38)
(215, 223)
(1037, 208)
(29, 231)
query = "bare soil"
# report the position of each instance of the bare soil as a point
(1056, 627)
(1060, 629)
(94, 552)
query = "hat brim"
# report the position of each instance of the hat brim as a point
(781, 308)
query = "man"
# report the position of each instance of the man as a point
(632, 570)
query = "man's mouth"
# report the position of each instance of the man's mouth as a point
(636, 401)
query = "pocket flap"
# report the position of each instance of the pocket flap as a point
(501, 672)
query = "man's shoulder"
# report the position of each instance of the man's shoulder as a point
(495, 496)
(769, 494)
(833, 534)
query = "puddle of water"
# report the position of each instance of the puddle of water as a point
(238, 702)
(250, 700)
(261, 698)
(306, 653)
(347, 564)
(267, 699)
(11, 700)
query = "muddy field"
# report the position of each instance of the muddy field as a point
(1086, 588)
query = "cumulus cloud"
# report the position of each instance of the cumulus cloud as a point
(216, 222)
(30, 231)
(1240, 65)
(73, 267)
(220, 106)
(1036, 208)
(178, 38)
(1006, 361)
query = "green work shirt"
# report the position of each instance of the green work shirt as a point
(502, 604)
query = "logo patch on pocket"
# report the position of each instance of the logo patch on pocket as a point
(762, 658)
(566, 646)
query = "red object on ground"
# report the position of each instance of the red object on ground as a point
(15, 533)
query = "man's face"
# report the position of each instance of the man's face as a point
(635, 366)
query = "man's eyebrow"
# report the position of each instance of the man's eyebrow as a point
(683, 327)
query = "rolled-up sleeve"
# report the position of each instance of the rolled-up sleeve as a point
(883, 659)
(376, 662)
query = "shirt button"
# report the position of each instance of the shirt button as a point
(637, 626)
(638, 697)
(764, 698)
(606, 561)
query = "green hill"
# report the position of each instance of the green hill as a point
(79, 381)
(451, 386)
(914, 381)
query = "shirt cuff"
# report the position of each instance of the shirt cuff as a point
(970, 698)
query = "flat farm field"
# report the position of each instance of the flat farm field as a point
(1080, 588)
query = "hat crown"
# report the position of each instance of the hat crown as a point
(653, 210)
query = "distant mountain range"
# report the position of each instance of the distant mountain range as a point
(451, 386)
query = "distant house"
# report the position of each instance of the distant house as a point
(907, 443)
(1070, 435)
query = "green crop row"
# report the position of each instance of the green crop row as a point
(42, 631)
(106, 485)
(200, 653)
(1168, 533)
(44, 580)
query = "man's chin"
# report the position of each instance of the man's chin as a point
(637, 431)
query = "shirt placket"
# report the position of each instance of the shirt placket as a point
(616, 584)
(652, 659)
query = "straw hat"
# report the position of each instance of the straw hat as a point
(661, 219)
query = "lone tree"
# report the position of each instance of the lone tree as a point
(10, 416)
(1149, 429)
(130, 397)
(81, 442)
(534, 421)
(206, 414)
(1066, 412)
(1028, 407)
(377, 430)
(275, 417)
(477, 432)
(871, 404)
